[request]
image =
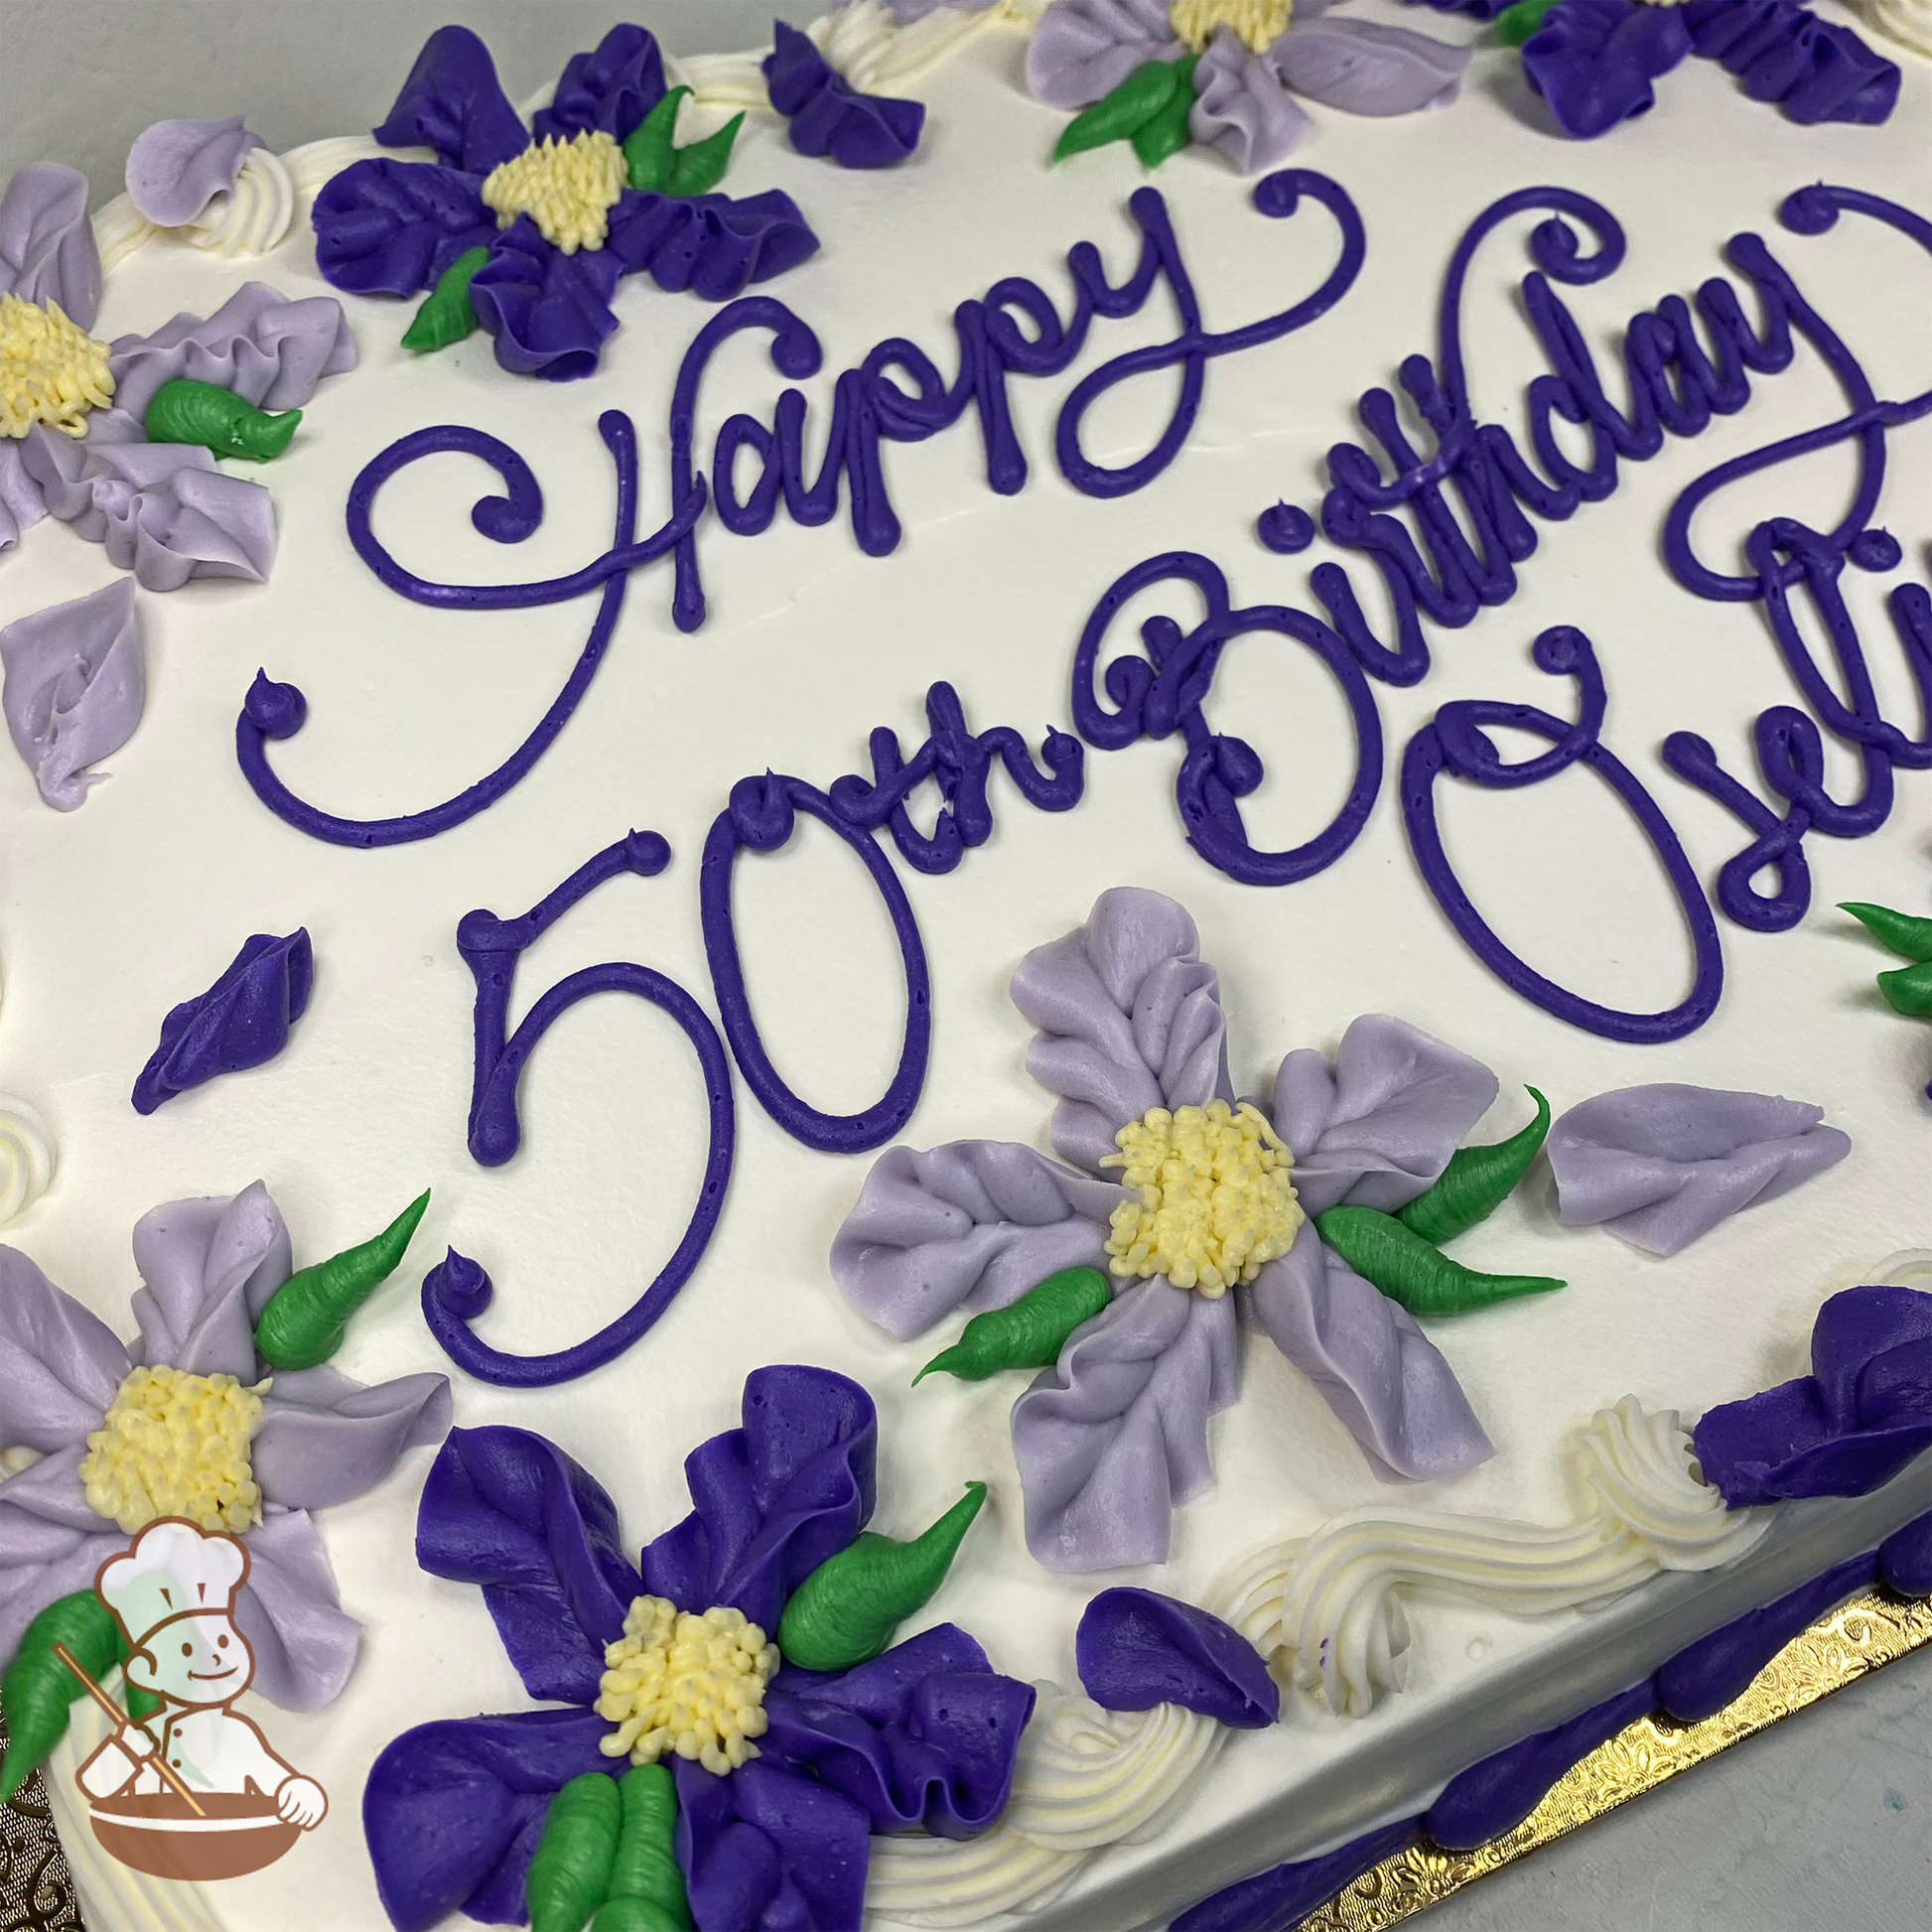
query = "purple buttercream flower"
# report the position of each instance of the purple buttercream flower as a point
(66, 1380)
(1115, 1432)
(921, 1738)
(392, 228)
(1243, 96)
(1593, 60)
(163, 511)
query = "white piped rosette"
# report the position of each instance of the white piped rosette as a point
(25, 1156)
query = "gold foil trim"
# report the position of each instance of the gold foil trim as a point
(1855, 1639)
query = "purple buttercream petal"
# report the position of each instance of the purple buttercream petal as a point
(391, 228)
(767, 1851)
(970, 1225)
(1128, 1017)
(1377, 1127)
(1815, 70)
(47, 244)
(453, 1811)
(1662, 1164)
(267, 350)
(1113, 1436)
(507, 1510)
(549, 311)
(210, 1267)
(161, 509)
(1386, 1381)
(51, 1542)
(831, 118)
(608, 90)
(1858, 1420)
(175, 168)
(1241, 110)
(453, 102)
(712, 244)
(1083, 49)
(1136, 1649)
(241, 1021)
(291, 1612)
(1366, 68)
(924, 1737)
(1593, 60)
(21, 502)
(771, 1500)
(74, 688)
(327, 1439)
(60, 1365)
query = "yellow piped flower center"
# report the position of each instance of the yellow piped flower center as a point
(52, 370)
(1213, 1201)
(693, 1685)
(174, 1444)
(567, 188)
(1258, 24)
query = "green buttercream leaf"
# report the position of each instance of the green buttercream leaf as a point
(446, 315)
(1167, 131)
(1026, 1333)
(570, 1872)
(1908, 936)
(1514, 24)
(1476, 1182)
(37, 1689)
(187, 411)
(307, 1317)
(1409, 1269)
(1909, 989)
(698, 169)
(646, 1892)
(847, 1609)
(1117, 117)
(650, 145)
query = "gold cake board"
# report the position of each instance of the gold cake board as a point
(1854, 1640)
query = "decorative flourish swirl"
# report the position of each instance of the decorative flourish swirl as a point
(1086, 1778)
(25, 1156)
(1334, 1601)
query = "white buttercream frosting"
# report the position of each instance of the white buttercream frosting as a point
(25, 1156)
(1334, 1603)
(1908, 22)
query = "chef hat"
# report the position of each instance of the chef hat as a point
(171, 1567)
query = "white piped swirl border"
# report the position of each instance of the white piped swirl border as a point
(25, 1156)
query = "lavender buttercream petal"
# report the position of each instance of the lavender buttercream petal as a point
(1378, 1125)
(1084, 48)
(47, 244)
(1128, 1017)
(1386, 1381)
(509, 1510)
(1241, 110)
(51, 1542)
(175, 168)
(608, 90)
(1364, 68)
(907, 13)
(1662, 1164)
(453, 102)
(970, 1225)
(161, 509)
(391, 228)
(454, 1811)
(291, 1612)
(267, 349)
(210, 1267)
(59, 1364)
(74, 688)
(327, 1439)
(1115, 1433)
(21, 504)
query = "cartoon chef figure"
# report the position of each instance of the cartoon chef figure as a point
(172, 1594)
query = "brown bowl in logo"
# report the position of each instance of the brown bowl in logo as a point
(158, 1834)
